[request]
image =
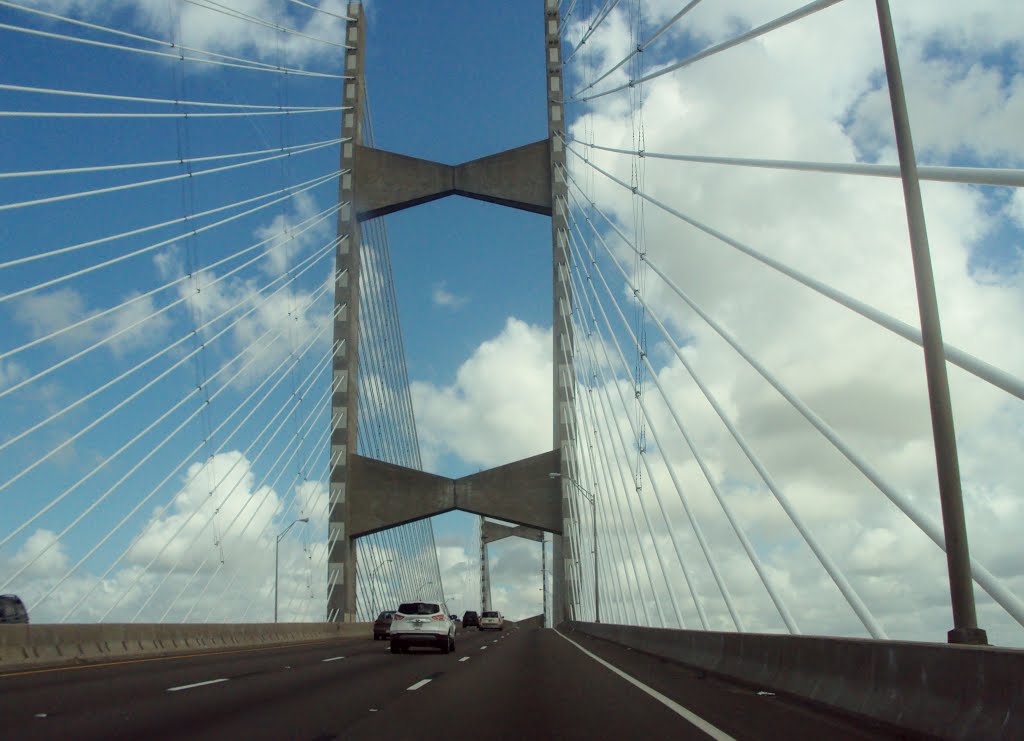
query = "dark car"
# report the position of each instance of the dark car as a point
(12, 609)
(382, 625)
(469, 619)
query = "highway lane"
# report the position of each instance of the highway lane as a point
(527, 683)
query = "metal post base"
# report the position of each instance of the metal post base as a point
(968, 636)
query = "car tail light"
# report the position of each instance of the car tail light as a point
(396, 616)
(437, 617)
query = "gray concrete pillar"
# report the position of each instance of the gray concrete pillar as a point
(341, 554)
(563, 379)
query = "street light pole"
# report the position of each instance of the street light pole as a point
(593, 516)
(277, 548)
(421, 587)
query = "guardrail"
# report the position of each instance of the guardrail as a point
(29, 646)
(949, 691)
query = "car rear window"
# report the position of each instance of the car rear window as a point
(385, 615)
(419, 608)
(490, 614)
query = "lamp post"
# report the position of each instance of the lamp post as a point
(421, 587)
(277, 547)
(593, 509)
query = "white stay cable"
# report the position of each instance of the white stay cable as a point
(727, 509)
(294, 148)
(304, 265)
(245, 63)
(606, 467)
(185, 523)
(291, 190)
(162, 101)
(969, 363)
(263, 345)
(163, 441)
(232, 13)
(643, 457)
(611, 424)
(1010, 602)
(602, 14)
(836, 574)
(784, 20)
(1003, 176)
(198, 534)
(639, 49)
(155, 181)
(697, 531)
(585, 420)
(102, 464)
(122, 114)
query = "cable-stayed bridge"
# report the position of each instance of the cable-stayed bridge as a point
(781, 379)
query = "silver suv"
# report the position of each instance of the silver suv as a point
(422, 624)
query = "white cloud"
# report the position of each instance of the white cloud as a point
(482, 416)
(442, 297)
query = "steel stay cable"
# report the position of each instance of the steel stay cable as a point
(153, 491)
(1000, 176)
(164, 163)
(233, 13)
(165, 439)
(177, 57)
(606, 463)
(247, 63)
(639, 49)
(694, 524)
(121, 114)
(163, 101)
(607, 404)
(141, 364)
(643, 458)
(588, 425)
(291, 492)
(605, 518)
(113, 487)
(237, 408)
(134, 395)
(766, 580)
(231, 524)
(798, 14)
(314, 448)
(853, 598)
(964, 360)
(1010, 602)
(291, 190)
(598, 20)
(143, 250)
(155, 181)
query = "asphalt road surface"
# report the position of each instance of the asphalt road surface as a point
(525, 683)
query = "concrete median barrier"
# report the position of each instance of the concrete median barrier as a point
(956, 692)
(30, 646)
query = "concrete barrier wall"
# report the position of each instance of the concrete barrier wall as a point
(957, 692)
(27, 646)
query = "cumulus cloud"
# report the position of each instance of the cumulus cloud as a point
(811, 92)
(482, 416)
(444, 298)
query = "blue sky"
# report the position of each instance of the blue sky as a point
(452, 81)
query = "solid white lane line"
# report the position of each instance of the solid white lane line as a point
(419, 684)
(335, 658)
(672, 705)
(464, 658)
(197, 684)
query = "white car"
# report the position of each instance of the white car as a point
(491, 620)
(422, 624)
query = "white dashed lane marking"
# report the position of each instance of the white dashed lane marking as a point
(334, 658)
(464, 658)
(197, 684)
(419, 684)
(483, 648)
